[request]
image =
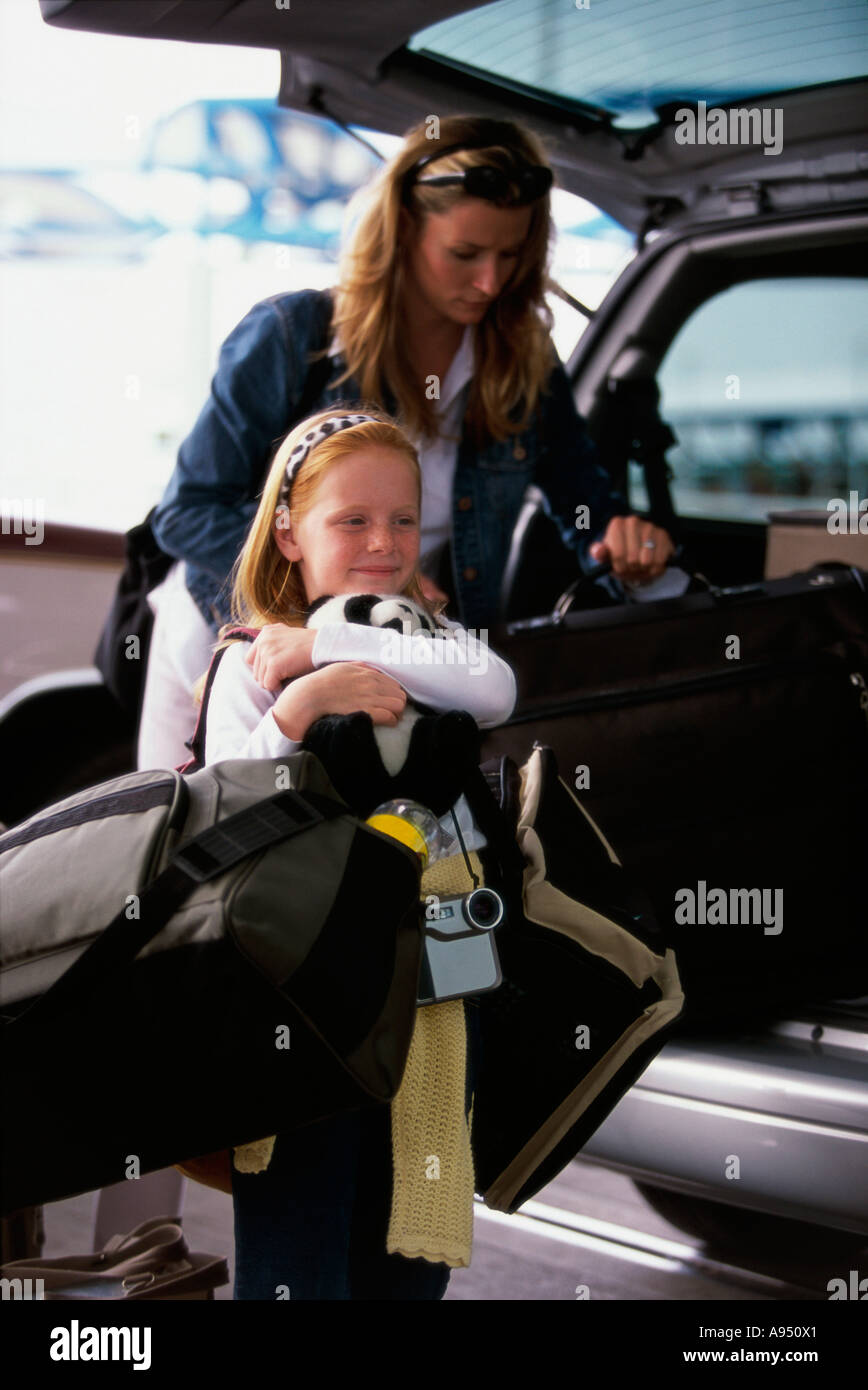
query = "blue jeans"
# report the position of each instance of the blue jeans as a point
(316, 1219)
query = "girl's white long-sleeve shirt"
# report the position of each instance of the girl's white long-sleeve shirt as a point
(470, 676)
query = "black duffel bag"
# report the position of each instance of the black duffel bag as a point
(258, 971)
(722, 773)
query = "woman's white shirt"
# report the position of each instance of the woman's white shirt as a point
(438, 456)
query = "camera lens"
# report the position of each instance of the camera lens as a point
(483, 909)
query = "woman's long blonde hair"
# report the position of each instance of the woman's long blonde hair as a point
(514, 354)
(268, 588)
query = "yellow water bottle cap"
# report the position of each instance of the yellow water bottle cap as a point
(403, 830)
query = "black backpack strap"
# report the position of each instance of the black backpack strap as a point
(207, 855)
(196, 743)
(491, 795)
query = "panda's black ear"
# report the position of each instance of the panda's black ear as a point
(358, 608)
(318, 603)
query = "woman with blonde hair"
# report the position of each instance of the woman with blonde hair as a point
(439, 317)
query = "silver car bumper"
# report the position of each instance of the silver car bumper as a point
(776, 1121)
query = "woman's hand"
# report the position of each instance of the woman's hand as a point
(625, 544)
(281, 653)
(342, 687)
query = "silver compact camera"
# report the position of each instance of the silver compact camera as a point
(460, 955)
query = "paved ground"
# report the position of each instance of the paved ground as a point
(589, 1227)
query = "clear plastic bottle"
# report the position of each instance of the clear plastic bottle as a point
(414, 825)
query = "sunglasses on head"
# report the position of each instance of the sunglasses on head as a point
(484, 181)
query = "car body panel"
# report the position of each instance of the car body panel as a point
(779, 1116)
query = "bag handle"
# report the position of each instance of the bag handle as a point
(196, 742)
(155, 1242)
(207, 855)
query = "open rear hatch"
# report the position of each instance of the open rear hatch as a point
(662, 115)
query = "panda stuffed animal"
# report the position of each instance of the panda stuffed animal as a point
(427, 756)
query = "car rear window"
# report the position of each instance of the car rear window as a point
(626, 58)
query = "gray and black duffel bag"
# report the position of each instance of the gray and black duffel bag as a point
(258, 968)
(282, 918)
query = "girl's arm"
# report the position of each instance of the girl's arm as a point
(469, 676)
(247, 721)
(240, 721)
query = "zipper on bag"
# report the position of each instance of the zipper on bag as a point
(85, 812)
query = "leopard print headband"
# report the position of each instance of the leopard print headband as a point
(310, 441)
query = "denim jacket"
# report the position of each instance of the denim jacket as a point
(212, 497)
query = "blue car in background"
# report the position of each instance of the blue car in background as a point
(46, 213)
(254, 170)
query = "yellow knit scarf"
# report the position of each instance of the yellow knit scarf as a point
(433, 1179)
